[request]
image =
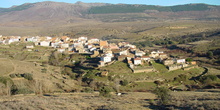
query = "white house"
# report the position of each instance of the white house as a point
(130, 45)
(106, 59)
(8, 41)
(139, 53)
(146, 58)
(109, 54)
(93, 40)
(29, 46)
(61, 50)
(48, 38)
(125, 52)
(31, 39)
(137, 61)
(78, 44)
(92, 49)
(89, 46)
(155, 54)
(44, 43)
(64, 45)
(55, 44)
(82, 39)
(181, 61)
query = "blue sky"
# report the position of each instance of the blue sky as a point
(9, 3)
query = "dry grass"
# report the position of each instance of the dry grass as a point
(196, 100)
(77, 101)
(128, 101)
(6, 66)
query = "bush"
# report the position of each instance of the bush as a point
(163, 95)
(158, 82)
(124, 82)
(88, 90)
(28, 76)
(72, 75)
(44, 70)
(105, 91)
(12, 75)
(180, 78)
(21, 91)
(188, 59)
(208, 78)
(4, 80)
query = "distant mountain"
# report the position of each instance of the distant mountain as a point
(124, 8)
(59, 10)
(47, 14)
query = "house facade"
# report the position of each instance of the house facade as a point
(137, 61)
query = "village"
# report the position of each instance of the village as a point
(138, 60)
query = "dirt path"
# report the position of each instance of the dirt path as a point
(14, 66)
(203, 73)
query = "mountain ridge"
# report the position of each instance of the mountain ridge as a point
(44, 15)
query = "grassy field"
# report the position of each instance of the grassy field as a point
(6, 66)
(128, 100)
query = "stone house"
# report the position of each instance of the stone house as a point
(163, 56)
(122, 57)
(168, 62)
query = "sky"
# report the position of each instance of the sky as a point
(9, 3)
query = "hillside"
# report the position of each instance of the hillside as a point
(53, 18)
(123, 8)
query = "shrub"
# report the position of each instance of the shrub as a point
(163, 95)
(188, 59)
(87, 90)
(28, 76)
(180, 78)
(12, 75)
(158, 82)
(4, 80)
(44, 70)
(105, 91)
(208, 78)
(22, 91)
(72, 75)
(124, 82)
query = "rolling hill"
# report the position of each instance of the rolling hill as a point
(45, 18)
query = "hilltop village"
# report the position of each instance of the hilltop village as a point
(107, 53)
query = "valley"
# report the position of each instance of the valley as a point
(101, 56)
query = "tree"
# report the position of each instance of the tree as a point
(189, 59)
(210, 54)
(162, 94)
(105, 91)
